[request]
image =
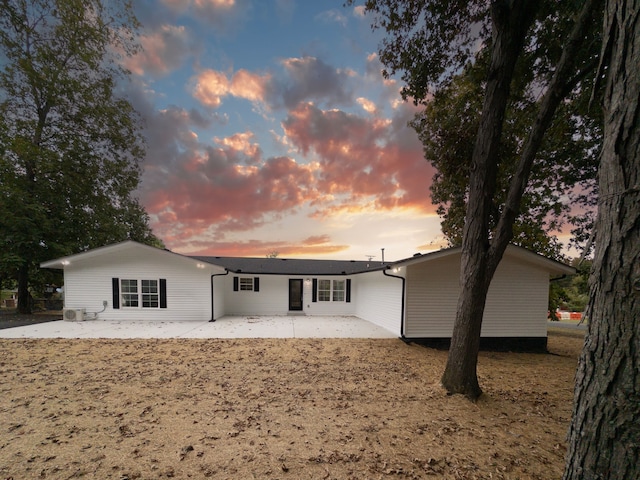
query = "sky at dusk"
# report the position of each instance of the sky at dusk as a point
(270, 129)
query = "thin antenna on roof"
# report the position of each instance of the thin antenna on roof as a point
(382, 255)
(369, 257)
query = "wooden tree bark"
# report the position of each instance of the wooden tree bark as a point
(482, 254)
(24, 304)
(511, 20)
(604, 436)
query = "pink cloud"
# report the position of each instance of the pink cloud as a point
(213, 189)
(161, 51)
(305, 79)
(309, 78)
(210, 86)
(367, 105)
(258, 248)
(362, 159)
(352, 163)
(241, 142)
(217, 4)
(248, 85)
(359, 164)
(220, 14)
(316, 240)
(359, 11)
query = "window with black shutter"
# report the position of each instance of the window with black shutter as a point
(246, 284)
(115, 288)
(135, 293)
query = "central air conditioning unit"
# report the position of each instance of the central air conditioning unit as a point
(73, 314)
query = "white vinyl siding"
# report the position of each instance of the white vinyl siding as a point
(516, 303)
(219, 298)
(271, 299)
(89, 282)
(379, 299)
(432, 297)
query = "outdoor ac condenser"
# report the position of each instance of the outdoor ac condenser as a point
(73, 314)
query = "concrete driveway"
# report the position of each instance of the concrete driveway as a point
(226, 327)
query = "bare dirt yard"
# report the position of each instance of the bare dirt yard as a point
(287, 409)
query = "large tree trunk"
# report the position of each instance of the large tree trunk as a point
(460, 375)
(511, 20)
(604, 436)
(24, 299)
(480, 254)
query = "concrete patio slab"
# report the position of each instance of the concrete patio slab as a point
(226, 327)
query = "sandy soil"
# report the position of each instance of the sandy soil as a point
(297, 408)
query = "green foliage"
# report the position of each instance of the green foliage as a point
(572, 293)
(562, 181)
(70, 148)
(442, 50)
(534, 61)
(429, 41)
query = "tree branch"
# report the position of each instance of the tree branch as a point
(560, 83)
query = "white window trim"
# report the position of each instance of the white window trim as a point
(139, 293)
(332, 291)
(342, 290)
(248, 282)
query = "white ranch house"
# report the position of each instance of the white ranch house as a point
(414, 298)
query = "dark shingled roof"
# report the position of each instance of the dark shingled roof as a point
(289, 266)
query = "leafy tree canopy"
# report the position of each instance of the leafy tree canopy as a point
(538, 53)
(70, 147)
(562, 184)
(442, 52)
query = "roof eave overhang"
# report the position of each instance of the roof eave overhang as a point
(63, 262)
(552, 266)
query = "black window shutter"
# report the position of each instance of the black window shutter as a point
(163, 293)
(256, 284)
(235, 284)
(314, 294)
(348, 294)
(115, 284)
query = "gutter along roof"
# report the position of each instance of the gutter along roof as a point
(289, 266)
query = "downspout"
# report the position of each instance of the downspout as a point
(226, 272)
(404, 280)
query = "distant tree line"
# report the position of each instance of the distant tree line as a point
(571, 293)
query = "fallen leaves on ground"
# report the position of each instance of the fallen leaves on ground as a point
(292, 408)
